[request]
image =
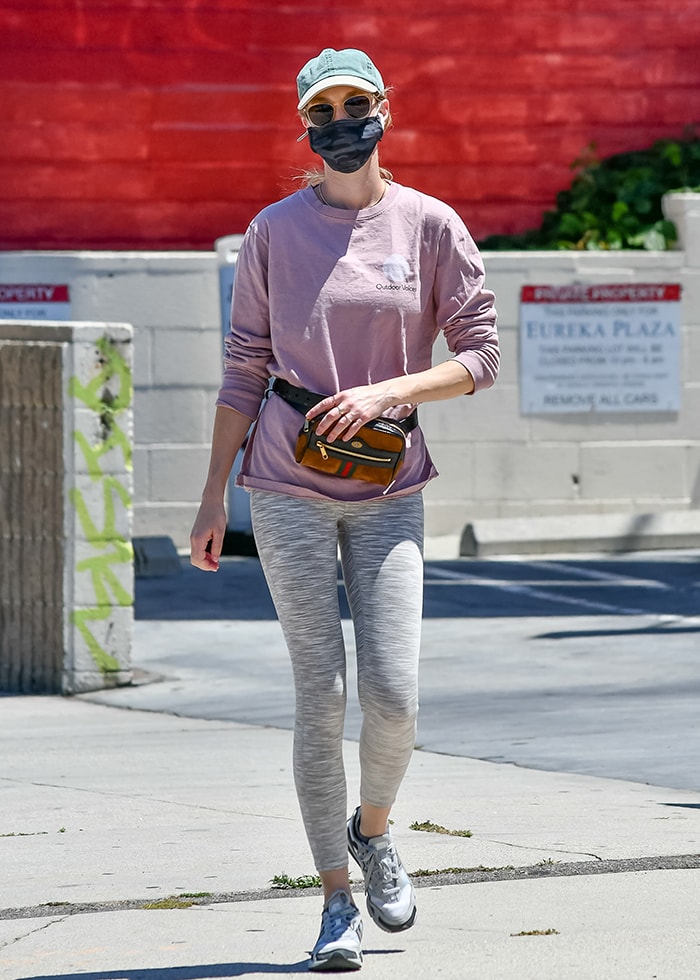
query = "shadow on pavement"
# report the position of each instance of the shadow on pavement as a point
(658, 628)
(467, 588)
(203, 971)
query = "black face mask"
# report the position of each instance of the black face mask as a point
(346, 144)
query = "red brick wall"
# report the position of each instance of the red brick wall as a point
(167, 123)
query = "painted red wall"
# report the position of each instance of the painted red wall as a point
(167, 123)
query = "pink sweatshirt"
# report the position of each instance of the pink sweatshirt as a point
(329, 299)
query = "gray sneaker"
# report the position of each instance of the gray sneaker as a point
(339, 945)
(391, 900)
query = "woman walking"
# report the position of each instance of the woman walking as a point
(341, 290)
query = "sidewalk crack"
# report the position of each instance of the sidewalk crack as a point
(46, 925)
(544, 850)
(111, 794)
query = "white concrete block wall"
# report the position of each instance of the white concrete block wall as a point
(493, 461)
(172, 300)
(183, 467)
(570, 464)
(88, 550)
(694, 475)
(99, 570)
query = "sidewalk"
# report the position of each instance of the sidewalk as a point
(104, 810)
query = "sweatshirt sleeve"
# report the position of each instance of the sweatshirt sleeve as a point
(247, 345)
(465, 309)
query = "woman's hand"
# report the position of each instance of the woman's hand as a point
(209, 526)
(344, 414)
(230, 428)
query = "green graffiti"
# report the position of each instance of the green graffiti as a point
(122, 551)
(93, 454)
(93, 394)
(105, 661)
(111, 548)
(110, 487)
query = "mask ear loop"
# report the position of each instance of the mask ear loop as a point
(303, 136)
(383, 117)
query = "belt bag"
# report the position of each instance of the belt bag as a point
(374, 454)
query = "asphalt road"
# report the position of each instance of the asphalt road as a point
(582, 664)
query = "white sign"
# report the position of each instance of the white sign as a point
(613, 348)
(34, 301)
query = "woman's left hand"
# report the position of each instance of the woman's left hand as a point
(345, 413)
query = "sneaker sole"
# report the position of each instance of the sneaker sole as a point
(337, 961)
(393, 927)
(373, 913)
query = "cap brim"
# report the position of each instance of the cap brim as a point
(350, 80)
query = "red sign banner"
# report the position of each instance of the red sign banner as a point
(33, 293)
(652, 292)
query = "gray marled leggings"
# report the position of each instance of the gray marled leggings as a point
(381, 545)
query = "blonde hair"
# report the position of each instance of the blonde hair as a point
(311, 178)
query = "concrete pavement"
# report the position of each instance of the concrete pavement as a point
(179, 790)
(631, 926)
(583, 664)
(105, 810)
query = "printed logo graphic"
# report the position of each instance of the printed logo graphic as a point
(396, 268)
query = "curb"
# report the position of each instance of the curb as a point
(609, 533)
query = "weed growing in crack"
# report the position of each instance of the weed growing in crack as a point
(30, 833)
(303, 881)
(435, 828)
(174, 902)
(482, 869)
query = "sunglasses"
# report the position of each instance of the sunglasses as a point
(357, 107)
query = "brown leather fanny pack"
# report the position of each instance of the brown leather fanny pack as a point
(374, 454)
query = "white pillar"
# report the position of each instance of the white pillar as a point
(94, 554)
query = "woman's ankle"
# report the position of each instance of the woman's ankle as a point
(333, 881)
(373, 821)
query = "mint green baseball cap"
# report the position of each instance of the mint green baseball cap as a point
(331, 67)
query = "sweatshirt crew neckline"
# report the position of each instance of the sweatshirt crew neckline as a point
(310, 197)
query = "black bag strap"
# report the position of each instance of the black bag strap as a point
(302, 399)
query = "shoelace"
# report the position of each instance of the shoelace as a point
(384, 867)
(335, 924)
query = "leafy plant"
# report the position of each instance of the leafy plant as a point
(615, 202)
(436, 828)
(303, 881)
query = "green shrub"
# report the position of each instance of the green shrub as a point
(615, 202)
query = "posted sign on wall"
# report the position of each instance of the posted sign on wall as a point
(603, 348)
(34, 301)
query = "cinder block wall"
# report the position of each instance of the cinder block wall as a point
(172, 300)
(493, 461)
(66, 560)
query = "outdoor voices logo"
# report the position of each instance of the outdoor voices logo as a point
(397, 271)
